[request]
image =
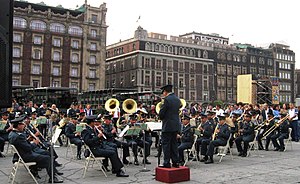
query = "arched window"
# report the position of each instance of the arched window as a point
(156, 47)
(218, 55)
(57, 27)
(229, 57)
(75, 58)
(20, 22)
(205, 54)
(75, 30)
(148, 46)
(38, 25)
(170, 49)
(92, 59)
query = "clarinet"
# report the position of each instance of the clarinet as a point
(100, 132)
(36, 138)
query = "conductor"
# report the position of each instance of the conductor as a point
(169, 114)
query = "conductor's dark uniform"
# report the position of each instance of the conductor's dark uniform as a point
(169, 114)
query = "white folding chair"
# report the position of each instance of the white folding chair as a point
(253, 146)
(289, 139)
(192, 150)
(8, 148)
(70, 148)
(14, 170)
(92, 158)
(222, 150)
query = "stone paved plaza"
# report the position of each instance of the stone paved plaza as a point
(259, 167)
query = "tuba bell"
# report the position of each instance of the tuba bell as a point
(182, 106)
(129, 106)
(112, 104)
(158, 106)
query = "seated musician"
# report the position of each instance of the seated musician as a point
(136, 140)
(74, 137)
(221, 136)
(234, 130)
(186, 137)
(262, 128)
(43, 147)
(25, 148)
(206, 129)
(267, 127)
(110, 132)
(93, 138)
(246, 135)
(281, 134)
(7, 128)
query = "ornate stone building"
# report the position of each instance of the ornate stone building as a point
(58, 47)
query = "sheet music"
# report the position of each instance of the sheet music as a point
(56, 135)
(123, 131)
(154, 125)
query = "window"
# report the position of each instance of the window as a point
(56, 70)
(16, 68)
(181, 94)
(38, 25)
(93, 32)
(17, 37)
(56, 56)
(56, 42)
(19, 22)
(192, 67)
(74, 85)
(192, 96)
(92, 59)
(92, 86)
(93, 46)
(94, 18)
(75, 58)
(15, 82)
(205, 69)
(158, 80)
(147, 80)
(181, 85)
(57, 27)
(37, 40)
(181, 66)
(205, 54)
(75, 30)
(55, 83)
(92, 74)
(74, 72)
(170, 65)
(16, 52)
(192, 83)
(205, 83)
(158, 64)
(229, 70)
(36, 69)
(75, 44)
(37, 54)
(36, 83)
(147, 63)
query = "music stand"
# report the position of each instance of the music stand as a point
(144, 128)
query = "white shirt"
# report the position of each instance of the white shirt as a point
(116, 113)
(220, 112)
(292, 113)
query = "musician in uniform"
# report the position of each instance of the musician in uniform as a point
(136, 140)
(246, 135)
(18, 138)
(74, 137)
(186, 137)
(169, 114)
(234, 130)
(266, 128)
(222, 134)
(4, 133)
(262, 127)
(206, 129)
(110, 132)
(281, 134)
(93, 138)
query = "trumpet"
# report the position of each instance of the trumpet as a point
(270, 130)
(99, 131)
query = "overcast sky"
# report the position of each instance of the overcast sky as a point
(258, 22)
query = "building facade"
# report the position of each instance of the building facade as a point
(58, 47)
(202, 67)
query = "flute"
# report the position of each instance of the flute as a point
(99, 131)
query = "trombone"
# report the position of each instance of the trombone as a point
(266, 122)
(270, 130)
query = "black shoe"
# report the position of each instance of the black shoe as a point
(126, 162)
(35, 174)
(204, 159)
(244, 155)
(147, 161)
(121, 173)
(55, 180)
(1, 155)
(267, 149)
(197, 158)
(165, 166)
(276, 149)
(57, 164)
(105, 168)
(240, 154)
(59, 173)
(136, 162)
(176, 165)
(260, 148)
(78, 157)
(209, 161)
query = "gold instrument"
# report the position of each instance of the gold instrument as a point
(129, 106)
(215, 132)
(158, 106)
(36, 138)
(236, 134)
(99, 131)
(112, 105)
(229, 122)
(277, 124)
(266, 122)
(63, 122)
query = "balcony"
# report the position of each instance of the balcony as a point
(94, 37)
(93, 63)
(92, 77)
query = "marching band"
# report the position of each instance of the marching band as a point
(127, 128)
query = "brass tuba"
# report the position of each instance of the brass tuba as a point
(158, 106)
(129, 106)
(182, 105)
(112, 104)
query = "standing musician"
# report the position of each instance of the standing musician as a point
(93, 139)
(7, 127)
(74, 137)
(281, 134)
(25, 148)
(222, 134)
(169, 114)
(136, 140)
(246, 135)
(110, 132)
(186, 137)
(206, 129)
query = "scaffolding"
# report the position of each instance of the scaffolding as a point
(264, 91)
